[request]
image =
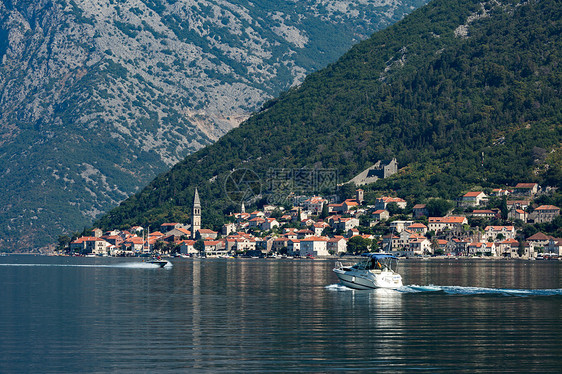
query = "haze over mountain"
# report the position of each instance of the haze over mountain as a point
(465, 94)
(98, 97)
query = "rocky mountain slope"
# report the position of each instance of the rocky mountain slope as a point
(98, 97)
(463, 94)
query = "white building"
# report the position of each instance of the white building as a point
(544, 213)
(345, 224)
(269, 224)
(454, 223)
(382, 202)
(337, 245)
(294, 246)
(486, 249)
(319, 228)
(506, 232)
(507, 248)
(187, 247)
(314, 246)
(228, 228)
(554, 246)
(314, 204)
(399, 226)
(417, 247)
(474, 198)
(244, 244)
(214, 248)
(420, 228)
(381, 214)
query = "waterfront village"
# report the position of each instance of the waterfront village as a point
(317, 228)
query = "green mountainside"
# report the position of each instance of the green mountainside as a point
(462, 93)
(99, 97)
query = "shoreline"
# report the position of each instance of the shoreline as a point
(347, 258)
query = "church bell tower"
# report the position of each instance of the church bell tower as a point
(196, 217)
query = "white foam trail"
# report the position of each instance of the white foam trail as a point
(338, 287)
(458, 290)
(128, 265)
(140, 265)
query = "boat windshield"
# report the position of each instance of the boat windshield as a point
(378, 263)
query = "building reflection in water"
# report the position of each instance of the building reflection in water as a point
(258, 312)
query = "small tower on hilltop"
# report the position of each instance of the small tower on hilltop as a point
(359, 196)
(242, 208)
(196, 217)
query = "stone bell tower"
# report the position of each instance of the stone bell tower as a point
(196, 217)
(359, 196)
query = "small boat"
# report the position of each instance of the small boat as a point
(378, 270)
(156, 261)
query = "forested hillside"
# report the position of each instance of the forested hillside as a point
(99, 97)
(462, 93)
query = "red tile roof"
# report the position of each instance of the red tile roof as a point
(547, 207)
(388, 199)
(498, 228)
(473, 193)
(206, 231)
(417, 225)
(451, 219)
(315, 239)
(539, 236)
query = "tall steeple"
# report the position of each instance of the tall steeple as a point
(196, 217)
(242, 208)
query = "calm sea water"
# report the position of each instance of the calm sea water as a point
(70, 315)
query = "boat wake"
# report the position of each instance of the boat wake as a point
(460, 291)
(127, 265)
(142, 265)
(338, 287)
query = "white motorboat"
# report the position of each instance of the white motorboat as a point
(157, 261)
(378, 270)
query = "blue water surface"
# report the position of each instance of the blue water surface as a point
(99, 315)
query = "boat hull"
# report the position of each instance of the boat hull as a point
(159, 263)
(366, 280)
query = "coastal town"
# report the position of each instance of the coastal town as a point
(317, 228)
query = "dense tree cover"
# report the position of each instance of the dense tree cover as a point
(438, 207)
(358, 244)
(457, 112)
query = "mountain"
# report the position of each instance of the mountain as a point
(463, 93)
(98, 97)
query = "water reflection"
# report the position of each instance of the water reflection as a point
(279, 316)
(482, 273)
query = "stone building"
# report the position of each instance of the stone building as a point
(382, 169)
(544, 213)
